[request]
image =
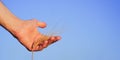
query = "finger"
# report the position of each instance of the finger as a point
(40, 48)
(51, 40)
(57, 37)
(41, 24)
(35, 49)
(45, 44)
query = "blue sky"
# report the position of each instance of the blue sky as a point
(91, 29)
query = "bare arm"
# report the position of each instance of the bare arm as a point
(7, 18)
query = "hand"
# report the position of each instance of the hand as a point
(27, 33)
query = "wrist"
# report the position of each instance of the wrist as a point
(12, 24)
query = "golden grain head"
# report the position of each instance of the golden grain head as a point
(42, 38)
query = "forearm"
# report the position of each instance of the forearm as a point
(7, 19)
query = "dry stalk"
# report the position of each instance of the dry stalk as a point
(43, 38)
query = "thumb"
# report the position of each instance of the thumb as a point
(40, 24)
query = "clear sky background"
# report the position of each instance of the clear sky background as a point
(91, 29)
